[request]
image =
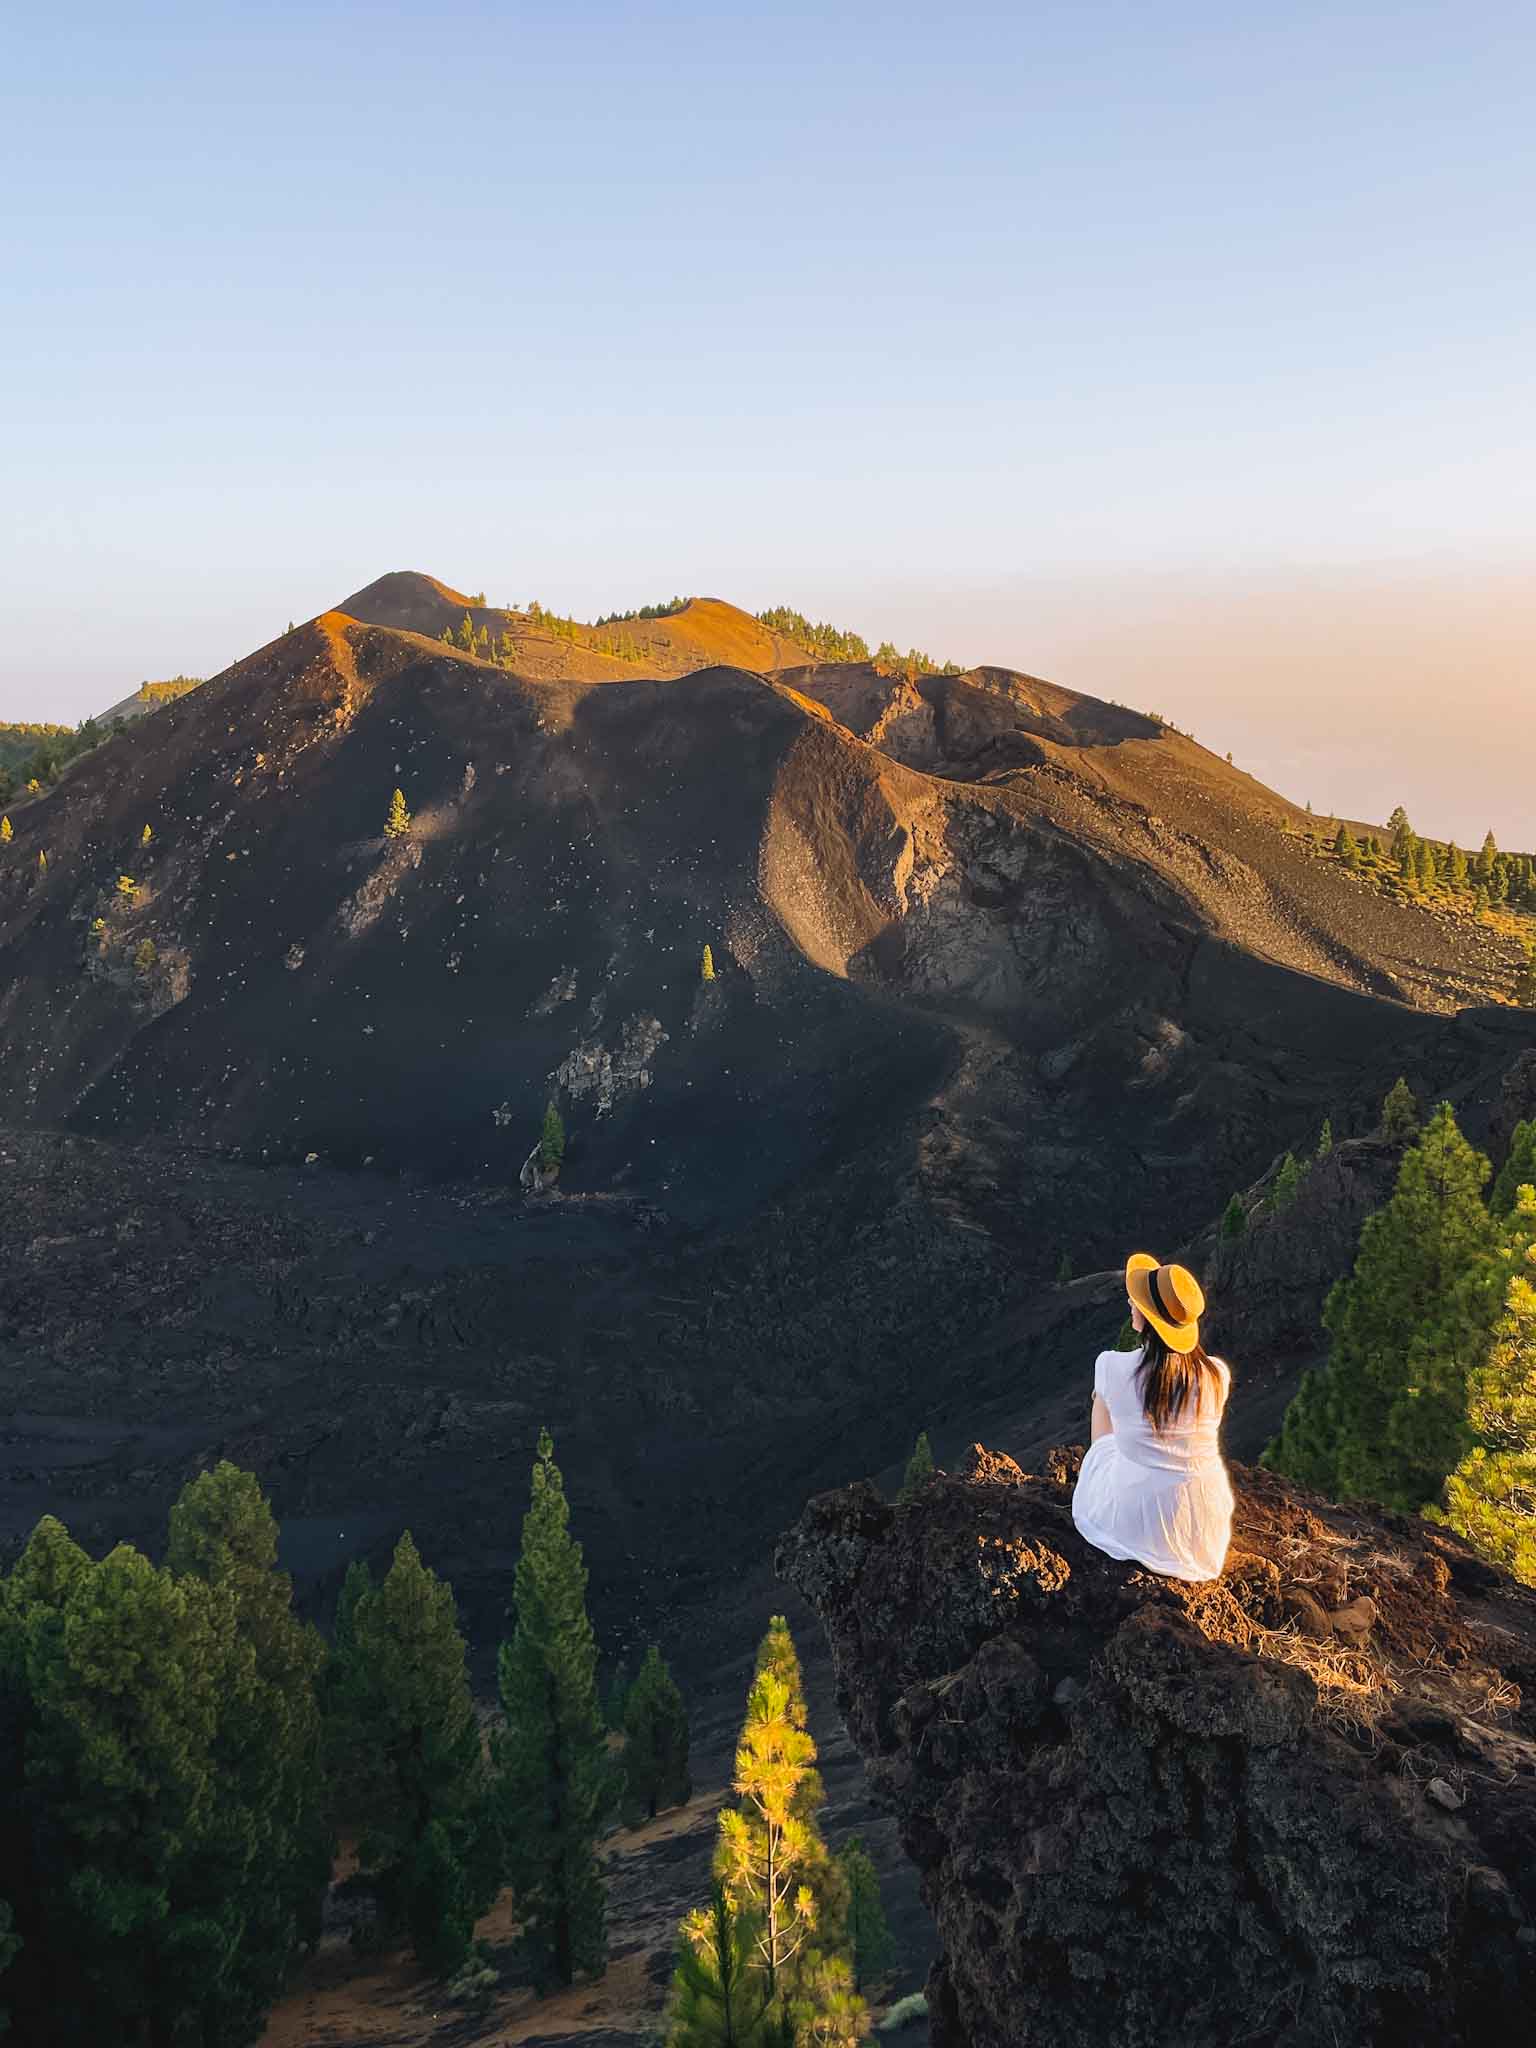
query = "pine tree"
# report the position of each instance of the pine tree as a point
(919, 1470)
(1287, 1183)
(147, 835)
(1399, 1112)
(1384, 1420)
(869, 1932)
(765, 1853)
(719, 2000)
(656, 1743)
(398, 824)
(773, 1862)
(1234, 1218)
(6, 832)
(707, 965)
(1483, 867)
(1518, 1170)
(405, 1744)
(145, 956)
(552, 1139)
(1346, 847)
(1490, 1498)
(120, 1806)
(271, 1856)
(1324, 1139)
(555, 1784)
(1064, 1269)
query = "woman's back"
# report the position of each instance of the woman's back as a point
(1160, 1496)
(1188, 1440)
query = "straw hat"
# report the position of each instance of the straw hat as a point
(1169, 1297)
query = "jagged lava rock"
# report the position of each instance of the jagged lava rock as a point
(1143, 1816)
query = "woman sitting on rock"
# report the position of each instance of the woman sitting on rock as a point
(1153, 1486)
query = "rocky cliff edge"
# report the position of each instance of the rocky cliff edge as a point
(1294, 1806)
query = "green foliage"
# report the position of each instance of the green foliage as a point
(112, 1707)
(1399, 1112)
(1064, 1269)
(719, 1998)
(766, 1847)
(1490, 1498)
(1346, 848)
(398, 823)
(1385, 1419)
(707, 965)
(39, 754)
(1234, 1218)
(404, 1749)
(1324, 1139)
(552, 1139)
(1287, 1183)
(773, 1863)
(146, 837)
(656, 1743)
(127, 887)
(270, 1861)
(826, 643)
(145, 956)
(555, 1785)
(869, 1933)
(6, 832)
(664, 610)
(1518, 1170)
(920, 1468)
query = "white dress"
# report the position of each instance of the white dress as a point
(1161, 1497)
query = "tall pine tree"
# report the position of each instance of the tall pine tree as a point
(555, 1783)
(405, 1746)
(1384, 1419)
(270, 1856)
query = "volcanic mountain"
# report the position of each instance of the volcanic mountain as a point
(1000, 973)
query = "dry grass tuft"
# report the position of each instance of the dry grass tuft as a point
(1353, 1690)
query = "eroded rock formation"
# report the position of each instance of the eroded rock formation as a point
(1296, 1806)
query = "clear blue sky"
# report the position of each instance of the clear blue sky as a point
(925, 319)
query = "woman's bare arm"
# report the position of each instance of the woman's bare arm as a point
(1101, 1424)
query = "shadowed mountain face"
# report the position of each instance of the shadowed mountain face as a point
(1000, 972)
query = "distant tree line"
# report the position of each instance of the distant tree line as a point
(836, 643)
(664, 610)
(178, 1752)
(1428, 870)
(32, 757)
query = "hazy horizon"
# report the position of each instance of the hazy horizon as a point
(1178, 354)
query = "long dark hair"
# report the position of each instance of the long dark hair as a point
(1167, 1381)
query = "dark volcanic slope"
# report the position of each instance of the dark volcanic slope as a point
(959, 1026)
(1071, 982)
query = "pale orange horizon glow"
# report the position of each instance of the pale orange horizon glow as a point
(1352, 689)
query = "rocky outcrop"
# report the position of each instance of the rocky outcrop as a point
(1295, 1807)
